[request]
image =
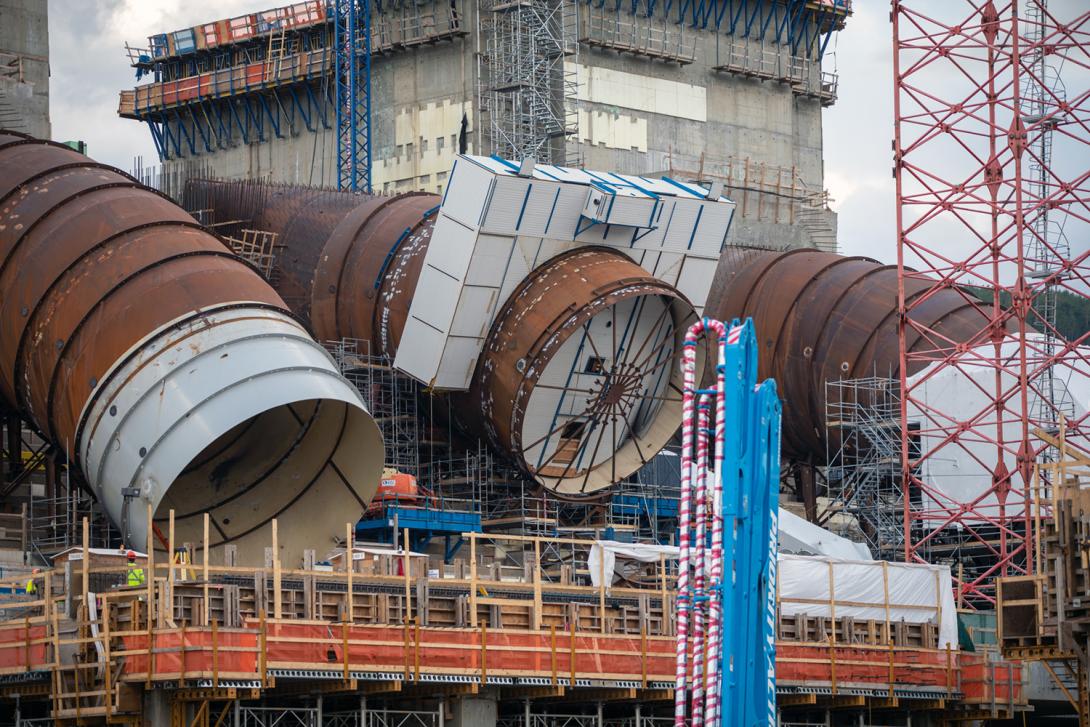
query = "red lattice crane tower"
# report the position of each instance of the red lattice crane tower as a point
(991, 163)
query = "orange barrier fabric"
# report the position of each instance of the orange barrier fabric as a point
(984, 681)
(383, 648)
(236, 652)
(813, 664)
(312, 645)
(18, 652)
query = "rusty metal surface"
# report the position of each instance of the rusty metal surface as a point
(135, 340)
(83, 246)
(347, 263)
(820, 317)
(554, 303)
(361, 258)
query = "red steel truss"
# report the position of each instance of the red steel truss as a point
(991, 160)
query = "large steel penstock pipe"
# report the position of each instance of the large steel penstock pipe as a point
(575, 383)
(823, 317)
(168, 369)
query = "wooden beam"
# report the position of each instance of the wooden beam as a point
(24, 690)
(796, 700)
(211, 694)
(656, 695)
(619, 694)
(323, 686)
(920, 705)
(370, 688)
(528, 692)
(440, 689)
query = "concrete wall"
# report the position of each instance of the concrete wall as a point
(636, 115)
(24, 31)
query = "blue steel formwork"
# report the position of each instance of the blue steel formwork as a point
(424, 523)
(352, 70)
(806, 26)
(233, 111)
(212, 124)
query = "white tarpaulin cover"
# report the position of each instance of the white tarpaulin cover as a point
(603, 556)
(802, 537)
(916, 593)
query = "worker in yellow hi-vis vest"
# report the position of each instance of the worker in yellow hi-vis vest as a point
(136, 575)
(31, 586)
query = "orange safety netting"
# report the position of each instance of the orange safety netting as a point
(391, 648)
(232, 651)
(984, 681)
(814, 664)
(19, 650)
(236, 652)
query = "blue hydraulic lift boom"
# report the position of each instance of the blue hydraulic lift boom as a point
(729, 678)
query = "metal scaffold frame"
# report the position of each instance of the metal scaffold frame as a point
(1048, 246)
(527, 87)
(974, 197)
(391, 397)
(864, 476)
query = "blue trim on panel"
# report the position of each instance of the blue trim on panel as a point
(522, 211)
(696, 225)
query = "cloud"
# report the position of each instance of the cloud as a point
(89, 66)
(857, 131)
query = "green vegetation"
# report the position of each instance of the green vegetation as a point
(1072, 311)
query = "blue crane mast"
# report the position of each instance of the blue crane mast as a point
(352, 73)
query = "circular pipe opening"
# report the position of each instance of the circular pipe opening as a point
(307, 463)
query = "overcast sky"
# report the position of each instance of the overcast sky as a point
(89, 67)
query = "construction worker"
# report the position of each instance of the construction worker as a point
(31, 586)
(136, 575)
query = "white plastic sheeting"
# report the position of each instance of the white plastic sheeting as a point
(960, 470)
(802, 537)
(862, 589)
(604, 553)
(869, 589)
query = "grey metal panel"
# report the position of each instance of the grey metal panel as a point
(491, 201)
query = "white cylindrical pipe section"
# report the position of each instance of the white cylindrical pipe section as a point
(237, 412)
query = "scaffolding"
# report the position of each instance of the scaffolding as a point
(390, 396)
(764, 192)
(273, 74)
(645, 508)
(1047, 245)
(656, 38)
(526, 77)
(863, 419)
(257, 247)
(44, 499)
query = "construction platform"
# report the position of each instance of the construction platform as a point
(513, 621)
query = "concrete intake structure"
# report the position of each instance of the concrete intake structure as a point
(576, 381)
(169, 371)
(822, 317)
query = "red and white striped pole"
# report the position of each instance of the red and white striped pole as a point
(693, 596)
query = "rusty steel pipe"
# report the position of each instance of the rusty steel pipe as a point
(580, 356)
(822, 317)
(166, 368)
(557, 390)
